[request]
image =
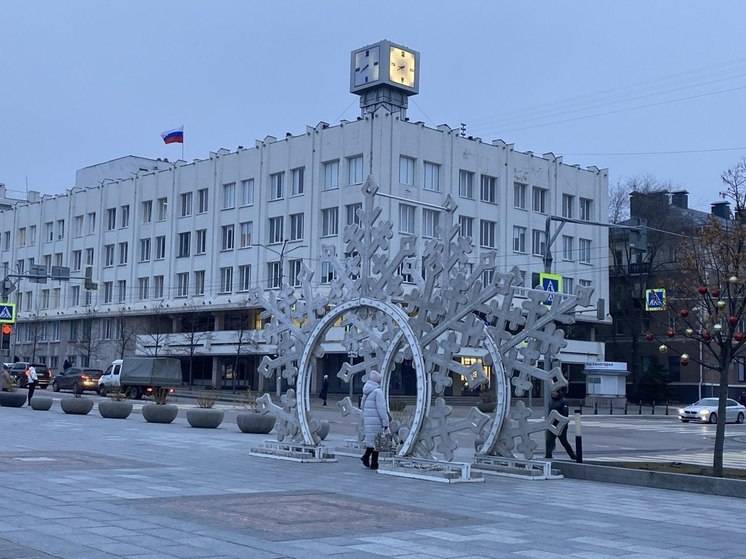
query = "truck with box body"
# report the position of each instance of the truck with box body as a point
(140, 375)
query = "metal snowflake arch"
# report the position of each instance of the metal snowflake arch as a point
(448, 312)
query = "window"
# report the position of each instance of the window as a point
(567, 248)
(406, 219)
(327, 272)
(296, 181)
(48, 263)
(329, 221)
(274, 278)
(538, 242)
(246, 230)
(295, 266)
(351, 211)
(519, 239)
(585, 283)
(226, 280)
(487, 233)
(123, 250)
(519, 195)
(91, 218)
(29, 301)
(229, 195)
(275, 230)
(108, 255)
(584, 251)
(201, 241)
(124, 212)
(355, 169)
(247, 192)
(111, 219)
(465, 184)
(122, 290)
(78, 225)
(466, 224)
(406, 170)
(185, 241)
(147, 211)
(32, 235)
(108, 291)
(44, 299)
(539, 200)
(142, 288)
(182, 284)
(89, 257)
(60, 229)
(160, 247)
(22, 237)
(331, 174)
(185, 201)
(276, 186)
(54, 335)
(488, 276)
(296, 227)
(244, 277)
(6, 240)
(430, 223)
(144, 250)
(199, 282)
(488, 190)
(75, 295)
(203, 200)
(162, 209)
(77, 261)
(568, 285)
(57, 259)
(432, 176)
(49, 231)
(108, 329)
(568, 202)
(586, 207)
(228, 237)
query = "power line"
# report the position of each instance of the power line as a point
(669, 152)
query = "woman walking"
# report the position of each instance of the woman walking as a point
(31, 380)
(375, 417)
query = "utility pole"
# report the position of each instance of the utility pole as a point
(282, 283)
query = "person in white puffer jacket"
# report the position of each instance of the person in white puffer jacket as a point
(375, 417)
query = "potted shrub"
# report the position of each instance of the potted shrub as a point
(117, 407)
(324, 429)
(203, 416)
(487, 401)
(251, 421)
(160, 411)
(10, 397)
(77, 405)
(41, 403)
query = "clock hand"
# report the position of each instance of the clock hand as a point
(363, 68)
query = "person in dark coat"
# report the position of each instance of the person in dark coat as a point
(324, 389)
(66, 365)
(558, 403)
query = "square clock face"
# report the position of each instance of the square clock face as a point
(367, 66)
(401, 66)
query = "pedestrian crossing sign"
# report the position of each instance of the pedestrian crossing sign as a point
(7, 313)
(552, 283)
(655, 299)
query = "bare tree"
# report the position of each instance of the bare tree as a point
(734, 180)
(244, 340)
(155, 339)
(194, 338)
(619, 194)
(126, 334)
(89, 342)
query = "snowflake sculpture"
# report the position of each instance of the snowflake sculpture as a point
(451, 307)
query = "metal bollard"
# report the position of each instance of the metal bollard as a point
(578, 439)
(611, 407)
(625, 407)
(653, 408)
(639, 410)
(595, 408)
(666, 407)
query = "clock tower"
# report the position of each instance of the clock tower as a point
(384, 74)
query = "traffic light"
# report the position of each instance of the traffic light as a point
(7, 330)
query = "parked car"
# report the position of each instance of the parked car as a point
(43, 373)
(77, 379)
(706, 411)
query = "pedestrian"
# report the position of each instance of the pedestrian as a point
(558, 403)
(742, 399)
(324, 389)
(66, 365)
(375, 418)
(31, 380)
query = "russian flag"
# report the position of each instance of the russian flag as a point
(175, 136)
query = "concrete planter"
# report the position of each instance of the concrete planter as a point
(156, 413)
(204, 418)
(486, 406)
(12, 399)
(252, 422)
(76, 406)
(324, 431)
(115, 410)
(41, 403)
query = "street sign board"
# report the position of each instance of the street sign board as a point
(38, 273)
(655, 299)
(7, 313)
(61, 273)
(551, 283)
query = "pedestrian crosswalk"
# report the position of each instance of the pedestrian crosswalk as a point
(731, 459)
(663, 426)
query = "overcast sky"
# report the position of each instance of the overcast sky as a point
(88, 81)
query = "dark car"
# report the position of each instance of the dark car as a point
(43, 374)
(77, 379)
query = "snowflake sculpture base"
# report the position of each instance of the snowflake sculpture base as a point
(514, 467)
(294, 452)
(430, 470)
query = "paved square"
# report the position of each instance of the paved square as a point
(82, 487)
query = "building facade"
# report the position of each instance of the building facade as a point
(175, 247)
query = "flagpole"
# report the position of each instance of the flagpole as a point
(182, 143)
